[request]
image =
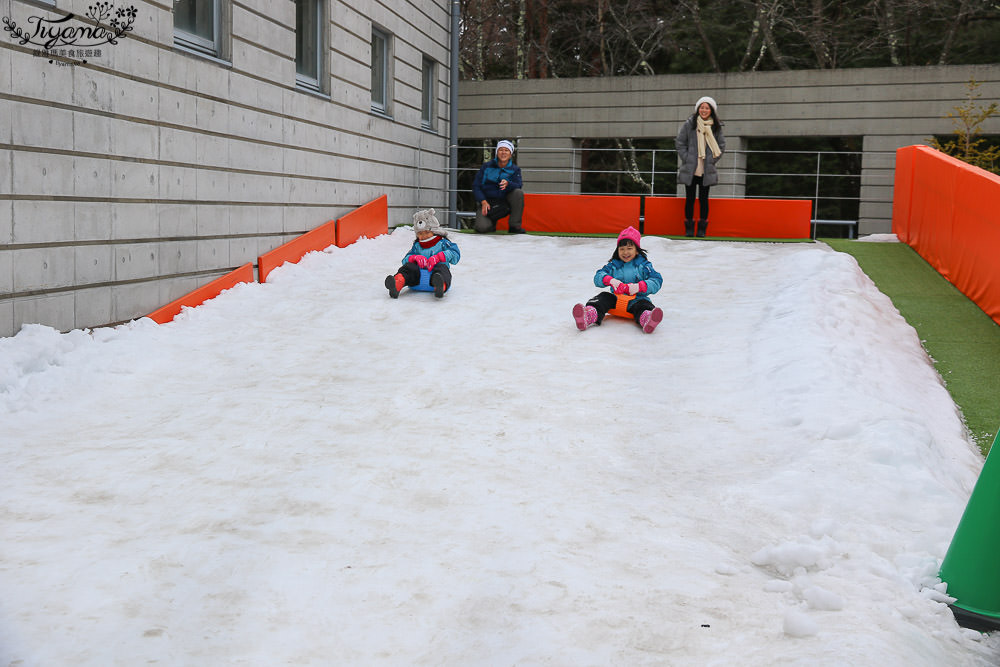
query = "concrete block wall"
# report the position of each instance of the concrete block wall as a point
(130, 180)
(888, 107)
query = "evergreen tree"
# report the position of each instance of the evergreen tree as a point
(968, 143)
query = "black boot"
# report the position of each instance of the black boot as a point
(702, 226)
(437, 281)
(689, 228)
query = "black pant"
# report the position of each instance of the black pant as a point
(689, 190)
(515, 199)
(411, 273)
(605, 301)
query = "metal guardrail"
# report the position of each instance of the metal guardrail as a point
(655, 164)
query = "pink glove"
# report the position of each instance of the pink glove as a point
(606, 280)
(615, 285)
(643, 287)
(621, 288)
(419, 260)
(434, 259)
(633, 288)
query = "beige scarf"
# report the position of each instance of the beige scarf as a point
(705, 135)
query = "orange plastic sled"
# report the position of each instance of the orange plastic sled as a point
(619, 309)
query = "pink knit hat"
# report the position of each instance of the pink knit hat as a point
(629, 234)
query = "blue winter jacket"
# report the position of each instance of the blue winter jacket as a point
(487, 183)
(450, 250)
(638, 269)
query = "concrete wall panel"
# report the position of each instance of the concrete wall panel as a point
(92, 304)
(43, 221)
(55, 310)
(6, 223)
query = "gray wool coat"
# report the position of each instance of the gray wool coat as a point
(687, 153)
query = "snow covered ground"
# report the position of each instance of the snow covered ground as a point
(308, 472)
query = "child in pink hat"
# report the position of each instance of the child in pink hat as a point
(628, 272)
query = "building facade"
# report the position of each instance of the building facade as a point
(148, 147)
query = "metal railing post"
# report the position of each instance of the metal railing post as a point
(652, 175)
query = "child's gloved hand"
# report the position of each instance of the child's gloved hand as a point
(606, 280)
(633, 288)
(434, 259)
(621, 288)
(419, 260)
(615, 285)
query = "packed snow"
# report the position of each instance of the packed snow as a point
(309, 472)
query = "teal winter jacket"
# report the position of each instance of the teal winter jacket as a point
(450, 250)
(638, 269)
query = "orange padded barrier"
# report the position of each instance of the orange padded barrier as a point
(734, 218)
(244, 274)
(582, 214)
(946, 210)
(370, 220)
(322, 237)
(902, 191)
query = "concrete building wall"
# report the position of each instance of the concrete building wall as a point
(888, 107)
(147, 171)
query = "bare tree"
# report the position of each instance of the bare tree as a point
(761, 38)
(694, 7)
(560, 38)
(522, 41)
(961, 18)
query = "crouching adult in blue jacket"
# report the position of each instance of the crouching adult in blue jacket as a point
(498, 193)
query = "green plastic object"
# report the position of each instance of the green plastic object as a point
(971, 565)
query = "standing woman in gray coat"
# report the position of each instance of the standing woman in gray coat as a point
(700, 144)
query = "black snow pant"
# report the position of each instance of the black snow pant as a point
(605, 301)
(689, 194)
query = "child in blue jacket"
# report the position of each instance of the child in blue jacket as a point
(628, 272)
(432, 251)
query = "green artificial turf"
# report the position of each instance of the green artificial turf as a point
(962, 340)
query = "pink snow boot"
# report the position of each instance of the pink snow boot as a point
(649, 319)
(585, 316)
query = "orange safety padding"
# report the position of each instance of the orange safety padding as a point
(950, 218)
(975, 247)
(369, 220)
(932, 207)
(244, 274)
(902, 188)
(322, 237)
(580, 214)
(664, 216)
(734, 218)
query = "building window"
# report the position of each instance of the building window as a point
(428, 93)
(380, 71)
(197, 26)
(309, 44)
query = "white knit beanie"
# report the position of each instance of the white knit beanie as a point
(503, 143)
(711, 103)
